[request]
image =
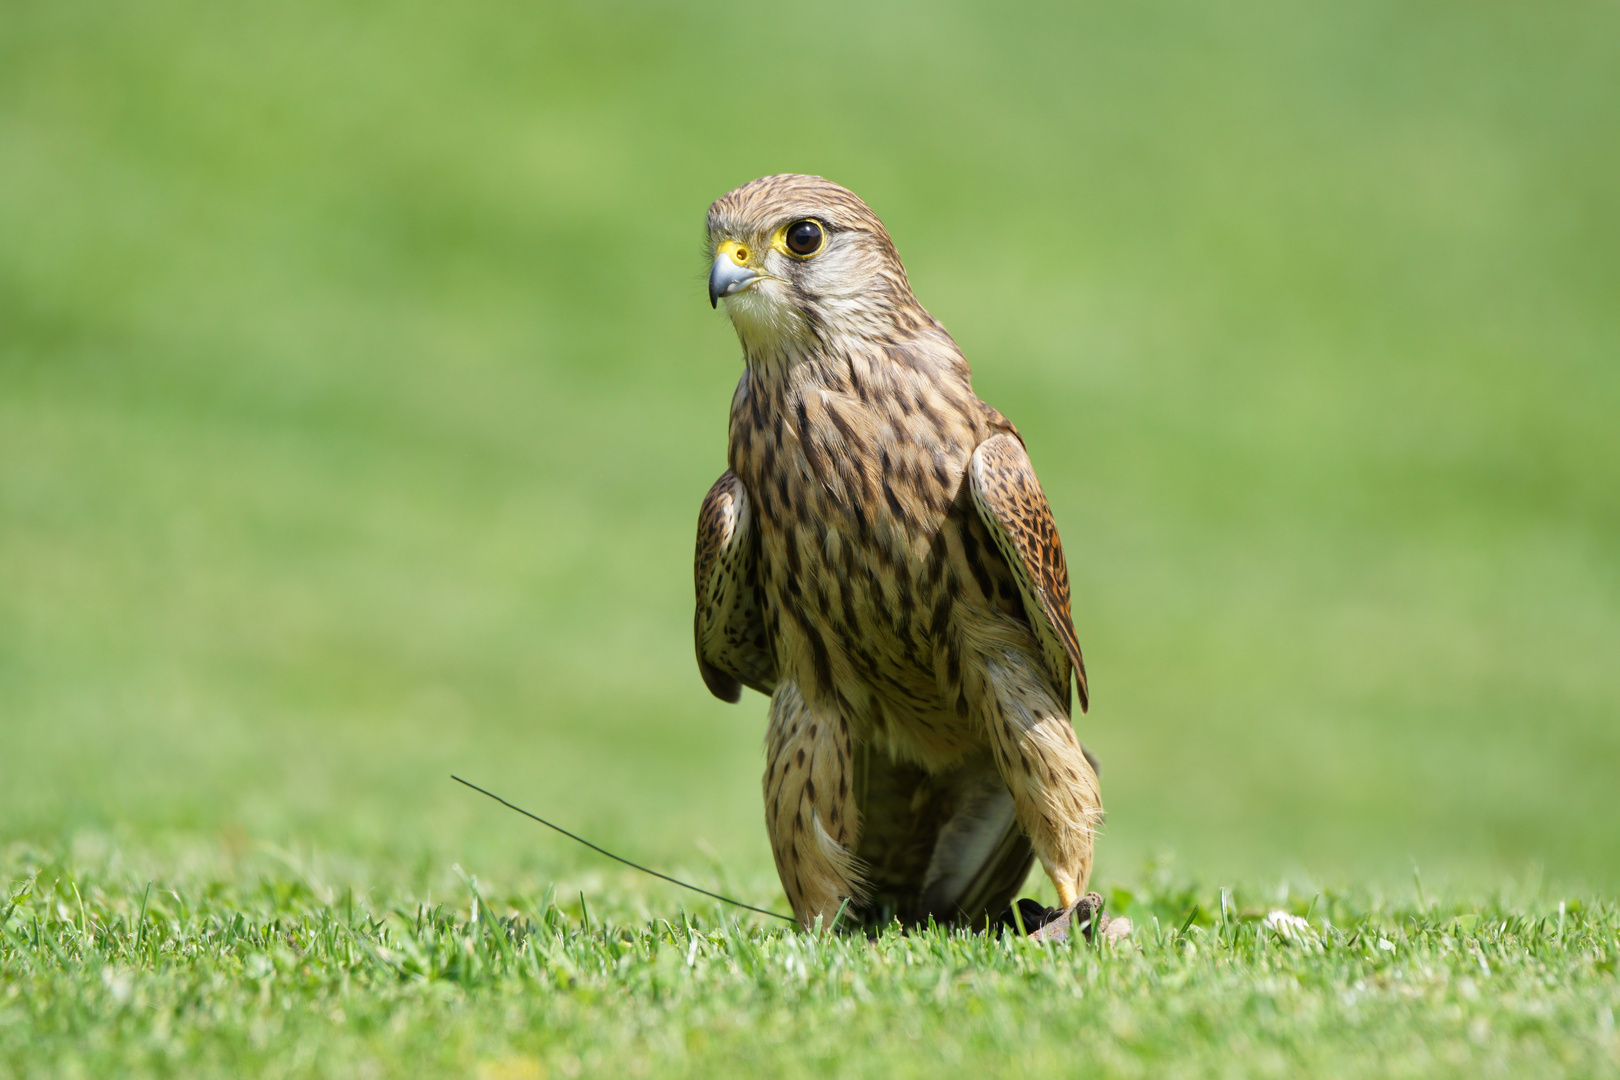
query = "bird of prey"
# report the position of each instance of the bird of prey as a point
(880, 560)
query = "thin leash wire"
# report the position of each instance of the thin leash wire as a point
(620, 858)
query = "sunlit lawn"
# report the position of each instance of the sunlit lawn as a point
(358, 389)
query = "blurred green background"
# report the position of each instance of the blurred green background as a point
(358, 391)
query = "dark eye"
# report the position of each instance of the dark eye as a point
(804, 237)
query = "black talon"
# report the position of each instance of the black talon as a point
(1031, 914)
(1053, 924)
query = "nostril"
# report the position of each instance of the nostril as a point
(740, 254)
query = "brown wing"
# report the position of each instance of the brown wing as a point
(729, 626)
(1014, 510)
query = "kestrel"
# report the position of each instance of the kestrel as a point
(880, 560)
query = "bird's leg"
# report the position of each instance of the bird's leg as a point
(810, 809)
(1055, 790)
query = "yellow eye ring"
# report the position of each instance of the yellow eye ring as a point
(802, 239)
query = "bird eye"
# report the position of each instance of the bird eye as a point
(805, 237)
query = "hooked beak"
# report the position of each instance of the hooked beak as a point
(730, 272)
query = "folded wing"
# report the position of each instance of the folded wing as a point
(1015, 511)
(729, 626)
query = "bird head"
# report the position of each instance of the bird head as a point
(798, 259)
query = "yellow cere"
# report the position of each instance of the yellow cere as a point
(736, 249)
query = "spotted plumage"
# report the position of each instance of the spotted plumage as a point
(880, 559)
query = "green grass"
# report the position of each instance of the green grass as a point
(358, 390)
(272, 971)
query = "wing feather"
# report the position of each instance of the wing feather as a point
(729, 624)
(1015, 511)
